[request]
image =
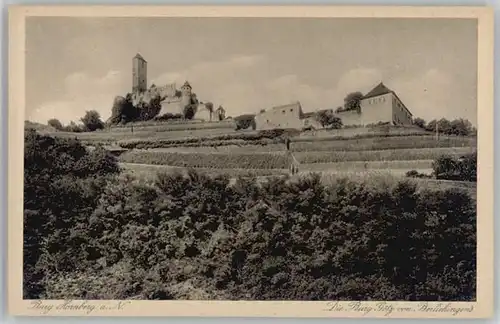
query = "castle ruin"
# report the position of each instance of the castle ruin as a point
(173, 101)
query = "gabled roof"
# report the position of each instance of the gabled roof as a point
(186, 84)
(379, 90)
(138, 56)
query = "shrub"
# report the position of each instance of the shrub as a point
(416, 174)
(72, 127)
(55, 123)
(169, 116)
(459, 127)
(62, 185)
(194, 236)
(327, 119)
(452, 168)
(245, 122)
(92, 121)
(419, 122)
(89, 234)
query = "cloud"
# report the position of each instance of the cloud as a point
(432, 94)
(82, 92)
(359, 79)
(248, 83)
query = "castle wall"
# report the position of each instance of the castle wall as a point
(171, 106)
(287, 116)
(350, 117)
(168, 90)
(312, 121)
(203, 113)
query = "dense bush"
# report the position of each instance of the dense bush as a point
(462, 168)
(193, 236)
(197, 237)
(169, 116)
(416, 174)
(245, 122)
(55, 123)
(136, 107)
(461, 127)
(62, 186)
(279, 132)
(92, 121)
(328, 120)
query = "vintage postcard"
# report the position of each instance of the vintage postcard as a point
(275, 161)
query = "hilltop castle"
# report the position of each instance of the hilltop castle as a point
(174, 101)
(380, 105)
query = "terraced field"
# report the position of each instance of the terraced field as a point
(383, 159)
(219, 149)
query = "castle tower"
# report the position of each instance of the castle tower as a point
(186, 89)
(186, 94)
(139, 74)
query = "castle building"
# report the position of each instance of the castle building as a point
(285, 116)
(174, 100)
(139, 74)
(380, 105)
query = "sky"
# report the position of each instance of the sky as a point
(248, 64)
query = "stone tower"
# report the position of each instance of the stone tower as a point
(139, 74)
(186, 94)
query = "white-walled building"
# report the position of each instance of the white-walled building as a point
(380, 105)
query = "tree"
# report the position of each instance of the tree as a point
(189, 112)
(444, 126)
(221, 113)
(245, 121)
(431, 126)
(73, 127)
(55, 123)
(353, 101)
(461, 127)
(92, 121)
(419, 122)
(327, 119)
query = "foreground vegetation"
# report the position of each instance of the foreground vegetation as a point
(90, 233)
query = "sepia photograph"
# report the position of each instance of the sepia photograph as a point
(219, 158)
